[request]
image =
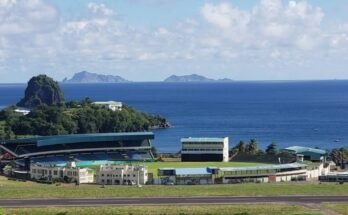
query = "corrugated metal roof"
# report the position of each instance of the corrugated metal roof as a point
(77, 138)
(302, 149)
(192, 171)
(202, 139)
(266, 167)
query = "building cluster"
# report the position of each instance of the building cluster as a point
(48, 159)
(107, 174)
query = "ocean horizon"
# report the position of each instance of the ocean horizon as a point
(308, 112)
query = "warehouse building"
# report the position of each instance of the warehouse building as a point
(262, 174)
(204, 149)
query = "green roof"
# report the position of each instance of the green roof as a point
(302, 149)
(78, 138)
(266, 167)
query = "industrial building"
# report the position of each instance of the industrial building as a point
(204, 149)
(339, 177)
(122, 174)
(255, 174)
(190, 176)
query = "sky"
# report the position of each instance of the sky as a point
(149, 40)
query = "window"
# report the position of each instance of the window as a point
(33, 171)
(55, 172)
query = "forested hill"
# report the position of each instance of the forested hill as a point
(51, 115)
(76, 118)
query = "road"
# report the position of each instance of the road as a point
(14, 203)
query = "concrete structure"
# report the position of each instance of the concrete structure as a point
(307, 153)
(204, 149)
(112, 105)
(335, 177)
(65, 173)
(122, 174)
(256, 174)
(57, 150)
(267, 173)
(187, 176)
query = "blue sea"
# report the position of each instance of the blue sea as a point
(307, 113)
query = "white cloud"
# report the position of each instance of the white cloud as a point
(273, 35)
(225, 16)
(26, 16)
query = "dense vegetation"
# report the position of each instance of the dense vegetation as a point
(41, 90)
(76, 118)
(50, 115)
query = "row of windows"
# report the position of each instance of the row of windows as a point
(110, 175)
(191, 149)
(202, 143)
(49, 172)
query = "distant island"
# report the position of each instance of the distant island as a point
(88, 77)
(193, 78)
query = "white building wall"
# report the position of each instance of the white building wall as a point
(206, 146)
(81, 175)
(122, 174)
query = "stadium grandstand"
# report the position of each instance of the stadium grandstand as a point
(93, 148)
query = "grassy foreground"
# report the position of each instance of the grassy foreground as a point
(341, 208)
(15, 189)
(279, 209)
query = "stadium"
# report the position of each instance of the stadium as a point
(83, 148)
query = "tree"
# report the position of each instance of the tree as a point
(252, 147)
(240, 147)
(339, 156)
(272, 149)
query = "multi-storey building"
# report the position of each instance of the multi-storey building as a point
(204, 149)
(122, 174)
(69, 173)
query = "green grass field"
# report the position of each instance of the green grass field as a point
(16, 189)
(278, 209)
(341, 208)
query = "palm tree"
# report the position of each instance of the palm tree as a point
(252, 147)
(339, 156)
(272, 149)
(240, 146)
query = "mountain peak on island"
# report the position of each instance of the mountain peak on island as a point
(88, 77)
(193, 78)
